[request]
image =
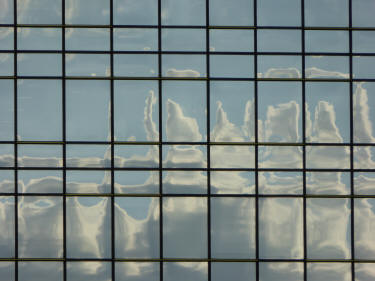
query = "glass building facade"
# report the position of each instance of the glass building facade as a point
(180, 140)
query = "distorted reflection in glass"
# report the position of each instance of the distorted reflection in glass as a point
(6, 38)
(183, 12)
(183, 39)
(326, 13)
(334, 67)
(329, 271)
(39, 110)
(184, 156)
(232, 182)
(39, 64)
(364, 112)
(137, 271)
(363, 41)
(7, 271)
(88, 181)
(327, 106)
(185, 182)
(88, 65)
(87, 12)
(40, 181)
(273, 66)
(184, 111)
(364, 271)
(6, 64)
(328, 157)
(136, 65)
(228, 214)
(6, 155)
(231, 40)
(94, 39)
(39, 12)
(239, 271)
(237, 12)
(135, 39)
(364, 228)
(136, 156)
(328, 183)
(187, 271)
(184, 227)
(184, 65)
(326, 41)
(36, 213)
(328, 228)
(88, 227)
(39, 38)
(6, 110)
(88, 271)
(36, 271)
(88, 121)
(137, 227)
(280, 182)
(135, 12)
(88, 156)
(7, 227)
(34, 155)
(280, 228)
(232, 156)
(363, 67)
(281, 40)
(364, 157)
(280, 157)
(364, 183)
(6, 181)
(136, 182)
(281, 271)
(283, 13)
(232, 66)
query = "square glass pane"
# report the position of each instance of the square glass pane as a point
(363, 67)
(183, 12)
(272, 40)
(39, 110)
(135, 39)
(135, 12)
(326, 41)
(6, 110)
(364, 183)
(328, 157)
(280, 183)
(185, 227)
(281, 271)
(6, 14)
(39, 12)
(328, 228)
(88, 110)
(88, 181)
(39, 64)
(232, 156)
(232, 111)
(228, 214)
(6, 64)
(6, 155)
(40, 181)
(88, 156)
(237, 66)
(189, 271)
(364, 112)
(329, 271)
(363, 41)
(7, 271)
(279, 111)
(88, 227)
(6, 38)
(136, 156)
(280, 228)
(284, 13)
(184, 156)
(280, 157)
(328, 183)
(7, 227)
(89, 271)
(137, 271)
(279, 66)
(364, 228)
(231, 40)
(30, 271)
(88, 65)
(184, 65)
(362, 13)
(136, 65)
(6, 181)
(136, 111)
(327, 67)
(327, 107)
(236, 12)
(185, 182)
(184, 111)
(183, 39)
(232, 182)
(136, 182)
(93, 39)
(137, 227)
(87, 12)
(40, 227)
(326, 13)
(36, 155)
(39, 38)
(364, 271)
(239, 271)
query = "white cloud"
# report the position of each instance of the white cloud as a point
(172, 72)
